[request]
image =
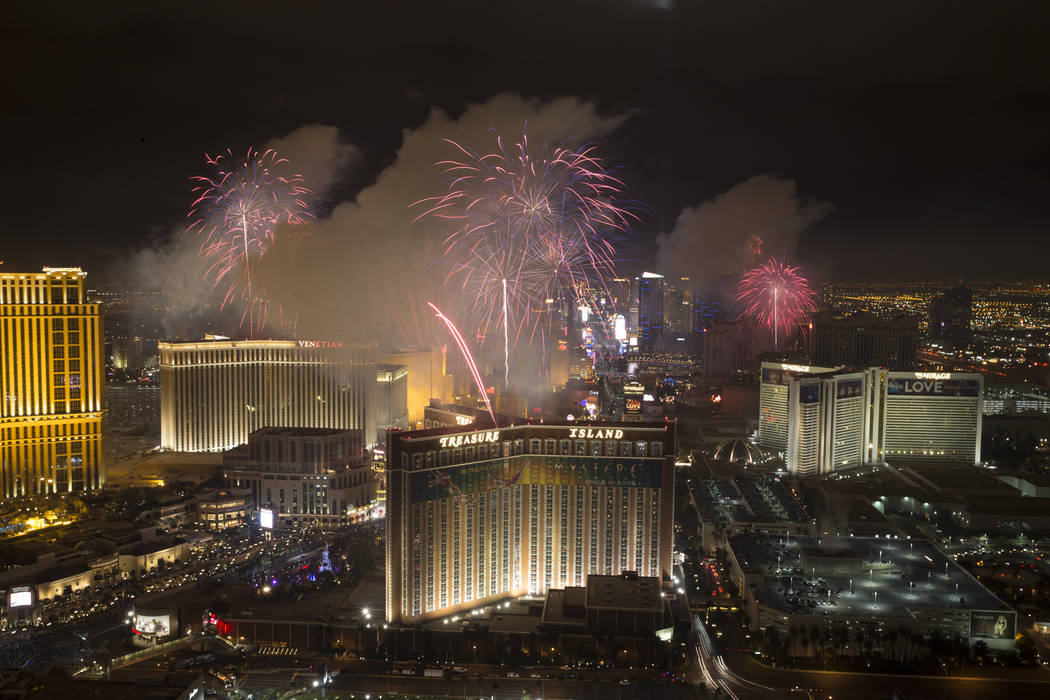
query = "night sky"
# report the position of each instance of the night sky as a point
(919, 130)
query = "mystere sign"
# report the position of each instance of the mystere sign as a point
(538, 470)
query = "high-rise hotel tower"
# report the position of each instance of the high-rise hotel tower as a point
(215, 392)
(826, 419)
(474, 516)
(51, 384)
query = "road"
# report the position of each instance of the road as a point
(737, 676)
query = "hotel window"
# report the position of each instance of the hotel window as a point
(506, 448)
(596, 448)
(443, 458)
(548, 446)
(581, 447)
(468, 453)
(566, 448)
(457, 455)
(625, 448)
(430, 458)
(483, 452)
(417, 460)
(519, 446)
(657, 448)
(534, 446)
(641, 448)
(610, 448)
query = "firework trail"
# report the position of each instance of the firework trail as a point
(776, 295)
(240, 211)
(526, 225)
(466, 356)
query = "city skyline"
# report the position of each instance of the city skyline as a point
(564, 349)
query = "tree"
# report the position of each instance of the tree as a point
(1026, 648)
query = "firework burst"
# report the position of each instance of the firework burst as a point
(465, 349)
(776, 295)
(526, 225)
(240, 210)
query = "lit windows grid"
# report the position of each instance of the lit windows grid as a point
(528, 538)
(51, 385)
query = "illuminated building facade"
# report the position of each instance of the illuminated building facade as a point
(834, 419)
(51, 384)
(650, 310)
(307, 476)
(428, 378)
(474, 516)
(774, 378)
(826, 426)
(214, 393)
(928, 416)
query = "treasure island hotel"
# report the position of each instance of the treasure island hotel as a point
(51, 384)
(476, 515)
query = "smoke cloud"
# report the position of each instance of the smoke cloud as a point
(171, 263)
(367, 271)
(316, 152)
(720, 236)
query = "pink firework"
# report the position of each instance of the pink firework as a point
(463, 348)
(240, 211)
(776, 295)
(523, 224)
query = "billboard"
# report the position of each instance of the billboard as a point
(266, 518)
(540, 470)
(157, 625)
(19, 597)
(775, 376)
(992, 624)
(911, 386)
(809, 393)
(849, 388)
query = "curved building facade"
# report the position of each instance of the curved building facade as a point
(474, 516)
(214, 393)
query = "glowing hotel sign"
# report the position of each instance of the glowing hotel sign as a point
(319, 344)
(487, 436)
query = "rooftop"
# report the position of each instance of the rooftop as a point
(897, 576)
(625, 592)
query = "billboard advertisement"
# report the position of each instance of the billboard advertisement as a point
(911, 386)
(528, 470)
(266, 518)
(19, 597)
(849, 388)
(775, 376)
(633, 393)
(992, 624)
(809, 393)
(157, 625)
